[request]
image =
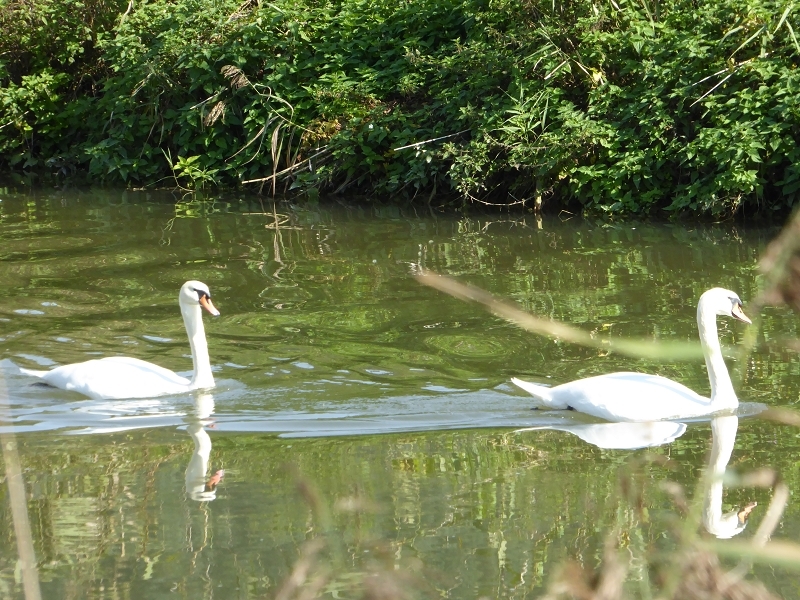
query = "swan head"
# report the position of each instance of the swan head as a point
(731, 523)
(196, 293)
(723, 302)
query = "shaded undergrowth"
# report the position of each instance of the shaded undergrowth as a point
(614, 107)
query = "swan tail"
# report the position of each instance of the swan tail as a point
(11, 367)
(32, 372)
(540, 392)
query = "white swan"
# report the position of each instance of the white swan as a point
(722, 526)
(118, 377)
(642, 397)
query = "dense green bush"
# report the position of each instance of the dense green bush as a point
(628, 106)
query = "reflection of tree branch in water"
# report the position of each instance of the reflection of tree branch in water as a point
(165, 239)
(195, 552)
(322, 244)
(277, 246)
(186, 209)
(278, 223)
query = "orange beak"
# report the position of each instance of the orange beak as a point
(744, 514)
(737, 312)
(215, 479)
(205, 302)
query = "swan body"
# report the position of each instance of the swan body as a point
(119, 377)
(637, 397)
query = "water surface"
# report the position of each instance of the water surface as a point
(388, 402)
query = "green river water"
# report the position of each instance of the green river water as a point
(357, 409)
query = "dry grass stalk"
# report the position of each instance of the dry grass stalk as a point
(235, 75)
(295, 585)
(781, 266)
(700, 577)
(780, 498)
(388, 585)
(243, 9)
(17, 499)
(217, 111)
(780, 414)
(580, 583)
(314, 576)
(553, 329)
(703, 578)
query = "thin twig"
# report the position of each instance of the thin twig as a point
(126, 13)
(713, 88)
(735, 68)
(289, 170)
(418, 144)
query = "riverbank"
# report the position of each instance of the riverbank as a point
(627, 108)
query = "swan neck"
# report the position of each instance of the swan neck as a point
(193, 320)
(721, 386)
(198, 463)
(723, 438)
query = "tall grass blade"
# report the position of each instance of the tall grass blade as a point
(783, 17)
(17, 499)
(791, 33)
(750, 39)
(665, 351)
(731, 32)
(544, 114)
(556, 70)
(784, 553)
(712, 89)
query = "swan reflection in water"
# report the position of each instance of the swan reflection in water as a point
(634, 436)
(729, 524)
(198, 486)
(621, 436)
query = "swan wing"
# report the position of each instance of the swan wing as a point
(632, 397)
(115, 378)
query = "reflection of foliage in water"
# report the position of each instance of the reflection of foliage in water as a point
(522, 505)
(498, 512)
(325, 279)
